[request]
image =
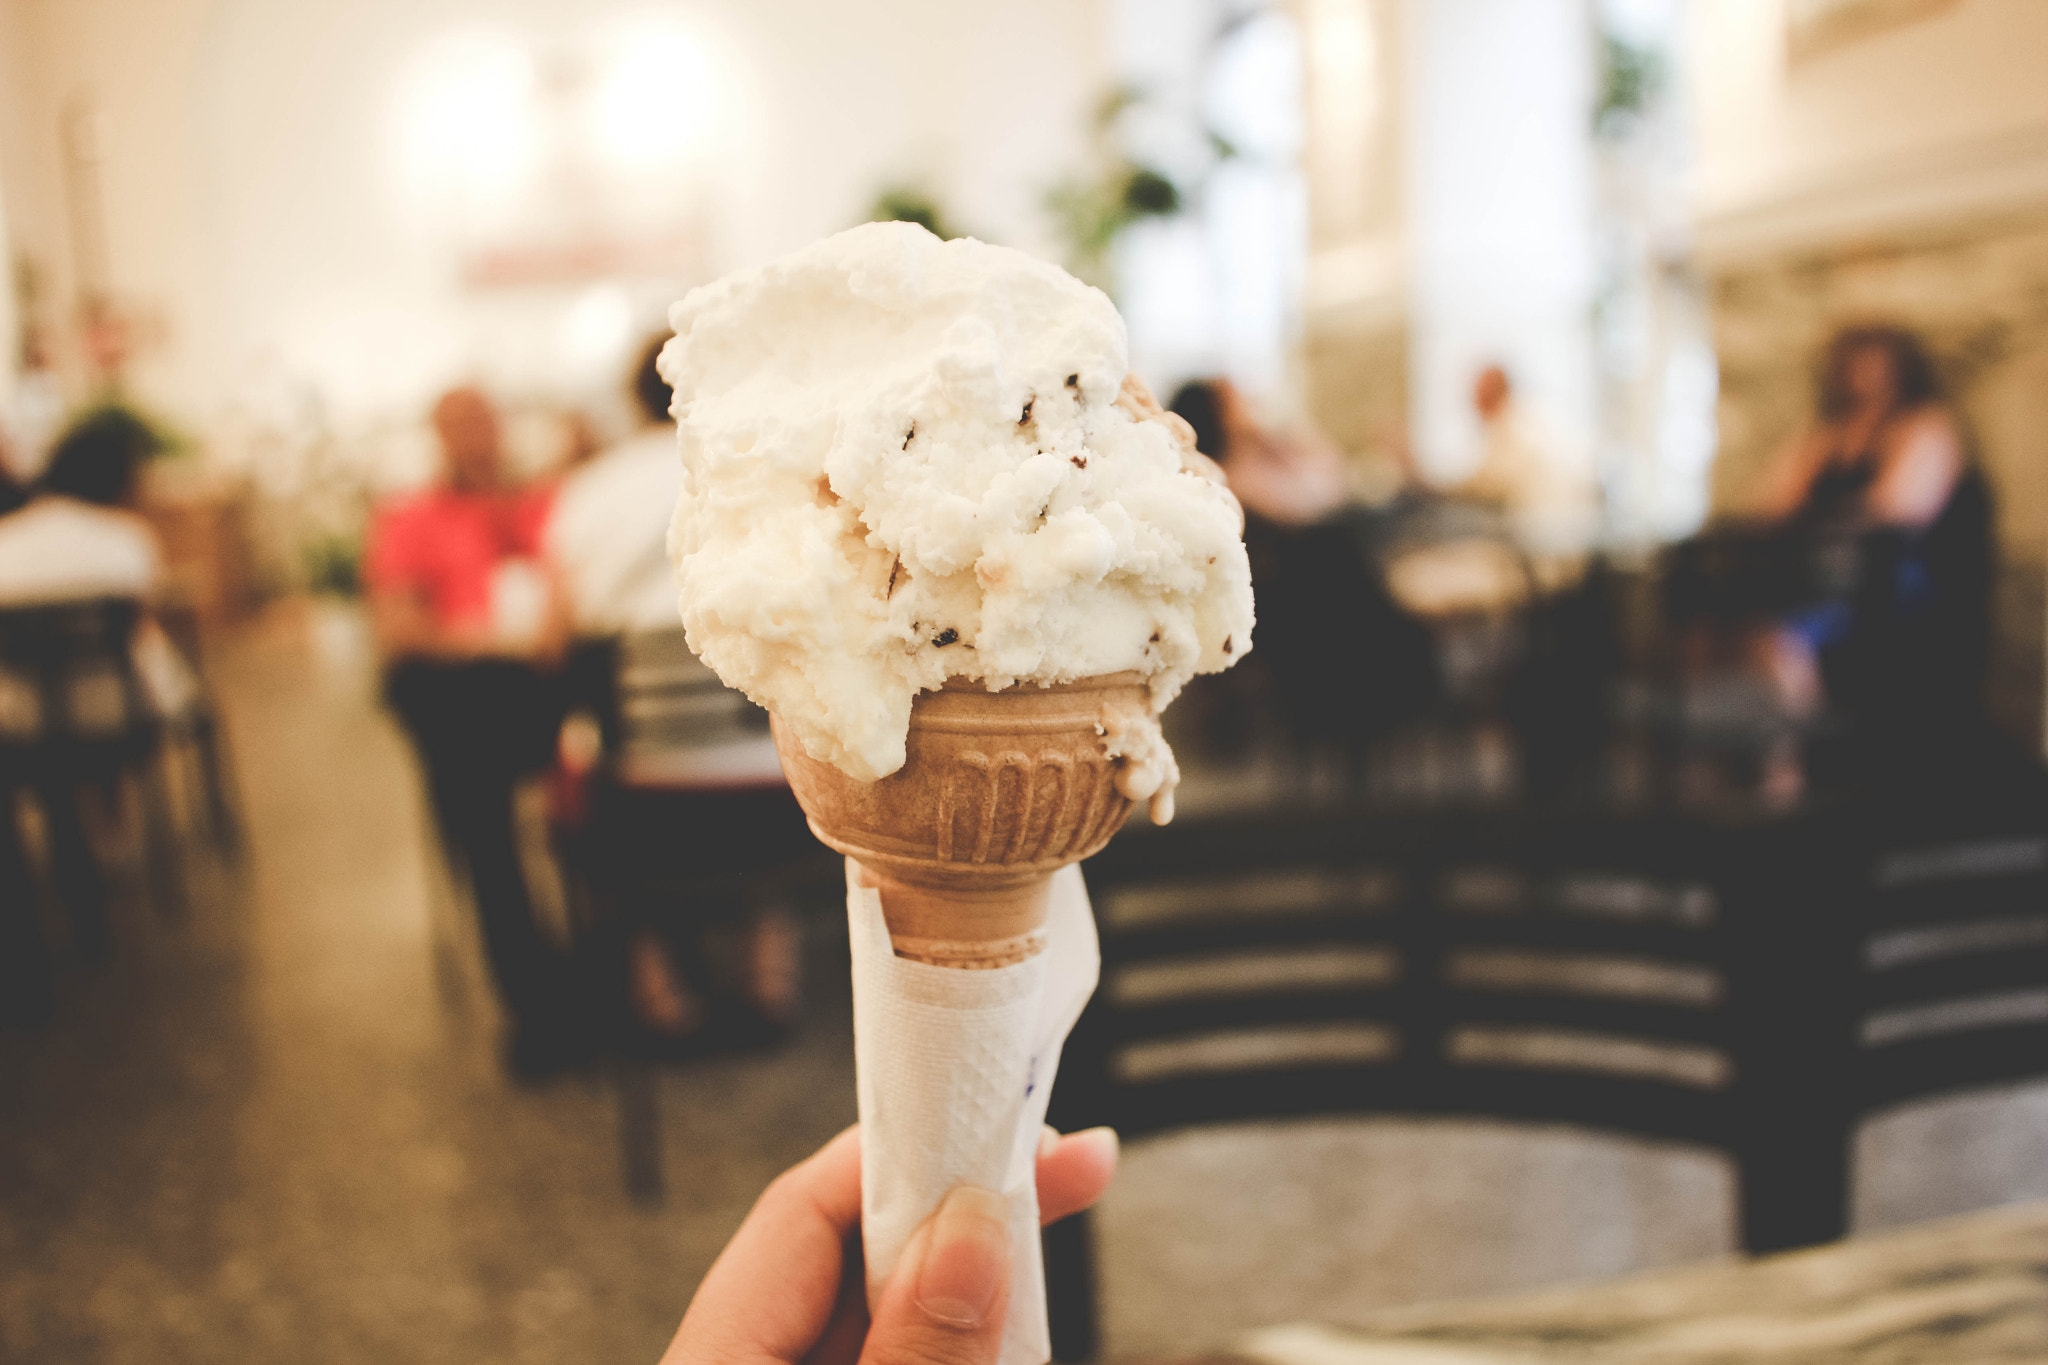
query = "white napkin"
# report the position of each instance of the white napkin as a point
(954, 1069)
(518, 602)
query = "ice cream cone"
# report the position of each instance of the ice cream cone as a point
(998, 791)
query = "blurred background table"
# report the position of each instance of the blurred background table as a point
(1962, 1291)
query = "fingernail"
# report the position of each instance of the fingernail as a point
(1104, 1138)
(967, 1259)
(1048, 1140)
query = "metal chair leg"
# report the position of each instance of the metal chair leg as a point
(223, 820)
(162, 862)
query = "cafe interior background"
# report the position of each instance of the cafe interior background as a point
(269, 1116)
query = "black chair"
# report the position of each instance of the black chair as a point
(1951, 953)
(688, 825)
(1560, 695)
(1752, 987)
(75, 715)
(1345, 663)
(688, 802)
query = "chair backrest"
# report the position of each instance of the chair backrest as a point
(669, 699)
(69, 686)
(1356, 962)
(1346, 663)
(1471, 964)
(1752, 986)
(1952, 951)
(1757, 987)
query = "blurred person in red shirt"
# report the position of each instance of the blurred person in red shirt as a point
(472, 628)
(456, 573)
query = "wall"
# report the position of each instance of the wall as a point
(1355, 342)
(136, 63)
(252, 204)
(14, 178)
(10, 128)
(1937, 117)
(1500, 202)
(1451, 201)
(1216, 288)
(1902, 176)
(139, 55)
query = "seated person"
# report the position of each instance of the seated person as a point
(1772, 627)
(1287, 478)
(689, 761)
(1345, 663)
(1548, 499)
(470, 624)
(1516, 526)
(1886, 455)
(607, 535)
(78, 539)
(78, 536)
(1885, 451)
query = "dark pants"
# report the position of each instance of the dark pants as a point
(692, 867)
(480, 727)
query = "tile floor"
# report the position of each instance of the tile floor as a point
(275, 1131)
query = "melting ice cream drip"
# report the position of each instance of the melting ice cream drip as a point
(1146, 770)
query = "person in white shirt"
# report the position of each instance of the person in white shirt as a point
(607, 540)
(608, 533)
(1552, 504)
(77, 538)
(76, 541)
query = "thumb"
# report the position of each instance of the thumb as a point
(946, 1303)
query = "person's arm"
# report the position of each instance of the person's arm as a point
(1921, 463)
(1790, 476)
(789, 1286)
(405, 628)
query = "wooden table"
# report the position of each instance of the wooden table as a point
(1963, 1291)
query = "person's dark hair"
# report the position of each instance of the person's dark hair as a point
(1912, 370)
(1198, 403)
(97, 458)
(649, 387)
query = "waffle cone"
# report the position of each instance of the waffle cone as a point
(998, 791)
